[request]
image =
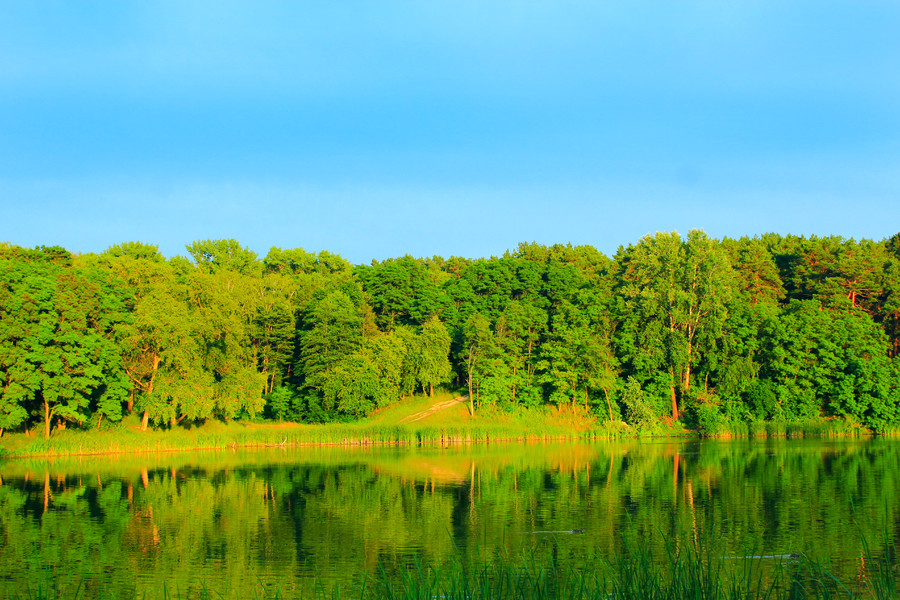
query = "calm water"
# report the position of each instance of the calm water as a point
(238, 520)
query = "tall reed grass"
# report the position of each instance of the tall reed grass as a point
(238, 435)
(522, 426)
(684, 571)
(818, 427)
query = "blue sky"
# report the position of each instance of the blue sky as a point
(377, 129)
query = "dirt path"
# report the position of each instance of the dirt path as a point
(436, 407)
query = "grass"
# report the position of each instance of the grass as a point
(450, 426)
(812, 427)
(683, 572)
(397, 412)
(390, 425)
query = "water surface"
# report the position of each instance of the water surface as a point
(234, 521)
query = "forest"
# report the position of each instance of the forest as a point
(690, 330)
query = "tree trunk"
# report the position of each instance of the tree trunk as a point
(145, 418)
(608, 403)
(470, 365)
(515, 370)
(46, 419)
(687, 370)
(431, 390)
(674, 403)
(672, 375)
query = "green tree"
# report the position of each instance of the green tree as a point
(638, 413)
(676, 294)
(369, 378)
(758, 277)
(157, 330)
(58, 356)
(829, 362)
(212, 256)
(432, 355)
(334, 327)
(829, 268)
(477, 344)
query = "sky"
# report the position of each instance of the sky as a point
(379, 129)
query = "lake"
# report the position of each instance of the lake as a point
(236, 521)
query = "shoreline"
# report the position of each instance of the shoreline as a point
(122, 443)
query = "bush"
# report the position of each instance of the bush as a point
(638, 411)
(710, 420)
(283, 404)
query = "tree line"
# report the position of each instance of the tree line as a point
(710, 333)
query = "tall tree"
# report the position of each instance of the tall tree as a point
(433, 355)
(157, 318)
(676, 294)
(477, 344)
(58, 354)
(217, 255)
(334, 327)
(829, 362)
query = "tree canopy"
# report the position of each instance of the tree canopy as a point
(672, 328)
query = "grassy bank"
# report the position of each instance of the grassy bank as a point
(409, 422)
(390, 426)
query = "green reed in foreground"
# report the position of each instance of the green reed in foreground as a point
(634, 575)
(683, 572)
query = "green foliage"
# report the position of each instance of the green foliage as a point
(762, 401)
(57, 353)
(135, 250)
(213, 256)
(432, 354)
(333, 329)
(781, 329)
(638, 412)
(832, 362)
(675, 294)
(284, 404)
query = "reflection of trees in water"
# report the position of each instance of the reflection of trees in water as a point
(288, 522)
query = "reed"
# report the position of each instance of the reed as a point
(491, 424)
(223, 436)
(684, 571)
(813, 427)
